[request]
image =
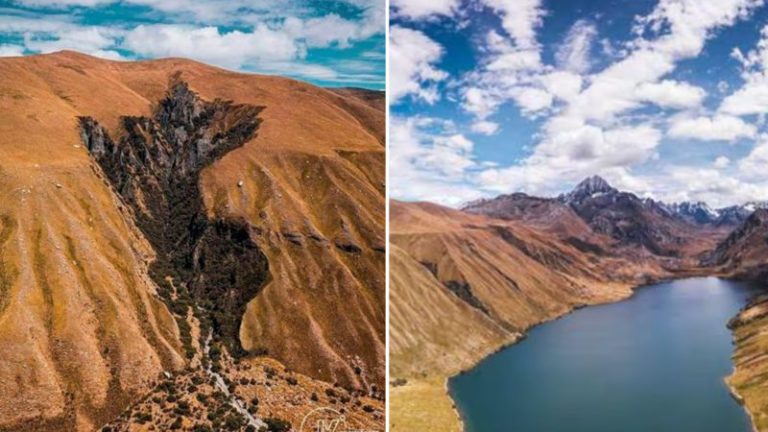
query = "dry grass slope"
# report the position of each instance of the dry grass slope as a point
(81, 330)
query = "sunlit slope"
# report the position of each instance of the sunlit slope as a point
(426, 333)
(80, 329)
(513, 275)
(79, 324)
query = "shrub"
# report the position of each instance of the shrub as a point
(275, 424)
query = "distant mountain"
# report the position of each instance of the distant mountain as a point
(589, 188)
(594, 207)
(701, 213)
(744, 252)
(697, 212)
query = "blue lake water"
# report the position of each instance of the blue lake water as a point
(652, 363)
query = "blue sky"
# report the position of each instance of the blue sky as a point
(326, 42)
(665, 98)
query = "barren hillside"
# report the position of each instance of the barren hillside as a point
(136, 194)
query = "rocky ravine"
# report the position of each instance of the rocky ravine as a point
(146, 205)
(525, 260)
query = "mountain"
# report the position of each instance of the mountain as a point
(744, 255)
(166, 226)
(695, 212)
(701, 213)
(744, 252)
(463, 284)
(589, 188)
(595, 209)
(502, 265)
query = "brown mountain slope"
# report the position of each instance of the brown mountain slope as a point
(481, 259)
(433, 330)
(475, 272)
(81, 326)
(515, 260)
(744, 255)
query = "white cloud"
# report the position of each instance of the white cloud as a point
(324, 31)
(233, 49)
(480, 101)
(721, 162)
(573, 152)
(485, 127)
(421, 9)
(594, 129)
(608, 122)
(98, 41)
(718, 128)
(272, 36)
(531, 99)
(562, 85)
(752, 96)
(754, 165)
(432, 161)
(412, 71)
(672, 94)
(7, 50)
(520, 19)
(574, 54)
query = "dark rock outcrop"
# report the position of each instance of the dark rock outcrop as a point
(155, 167)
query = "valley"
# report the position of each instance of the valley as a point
(499, 266)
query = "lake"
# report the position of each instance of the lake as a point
(652, 363)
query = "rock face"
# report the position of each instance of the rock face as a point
(743, 253)
(589, 188)
(248, 191)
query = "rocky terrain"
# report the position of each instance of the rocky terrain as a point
(177, 241)
(743, 255)
(499, 266)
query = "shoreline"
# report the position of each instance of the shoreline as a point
(740, 400)
(632, 290)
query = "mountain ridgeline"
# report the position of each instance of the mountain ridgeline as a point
(508, 263)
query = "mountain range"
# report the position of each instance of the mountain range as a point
(499, 266)
(185, 247)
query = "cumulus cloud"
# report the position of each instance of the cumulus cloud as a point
(573, 152)
(485, 127)
(752, 96)
(671, 94)
(520, 19)
(754, 164)
(610, 121)
(233, 49)
(718, 128)
(421, 9)
(8, 50)
(593, 128)
(269, 36)
(412, 71)
(721, 162)
(574, 54)
(432, 161)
